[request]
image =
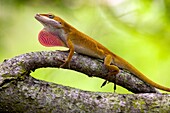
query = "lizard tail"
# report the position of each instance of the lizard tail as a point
(120, 62)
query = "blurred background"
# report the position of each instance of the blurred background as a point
(137, 30)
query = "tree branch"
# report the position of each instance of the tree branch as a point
(19, 91)
(23, 64)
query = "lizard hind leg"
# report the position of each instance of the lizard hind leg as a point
(113, 70)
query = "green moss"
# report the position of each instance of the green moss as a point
(138, 104)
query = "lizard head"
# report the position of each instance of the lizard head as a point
(50, 21)
(52, 33)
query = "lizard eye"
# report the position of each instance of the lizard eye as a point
(51, 16)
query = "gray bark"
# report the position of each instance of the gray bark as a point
(19, 92)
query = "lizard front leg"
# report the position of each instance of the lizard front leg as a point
(71, 52)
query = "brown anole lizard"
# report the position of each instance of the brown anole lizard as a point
(57, 32)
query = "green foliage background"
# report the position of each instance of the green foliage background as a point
(137, 30)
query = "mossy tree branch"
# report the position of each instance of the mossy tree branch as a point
(20, 92)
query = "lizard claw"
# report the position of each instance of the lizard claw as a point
(66, 64)
(104, 83)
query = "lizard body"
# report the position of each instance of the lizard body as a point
(68, 36)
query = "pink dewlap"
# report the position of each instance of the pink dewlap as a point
(49, 40)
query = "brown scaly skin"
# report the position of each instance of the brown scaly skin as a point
(83, 44)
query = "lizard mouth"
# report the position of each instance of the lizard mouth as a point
(46, 21)
(37, 16)
(41, 18)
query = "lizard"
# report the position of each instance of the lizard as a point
(57, 32)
